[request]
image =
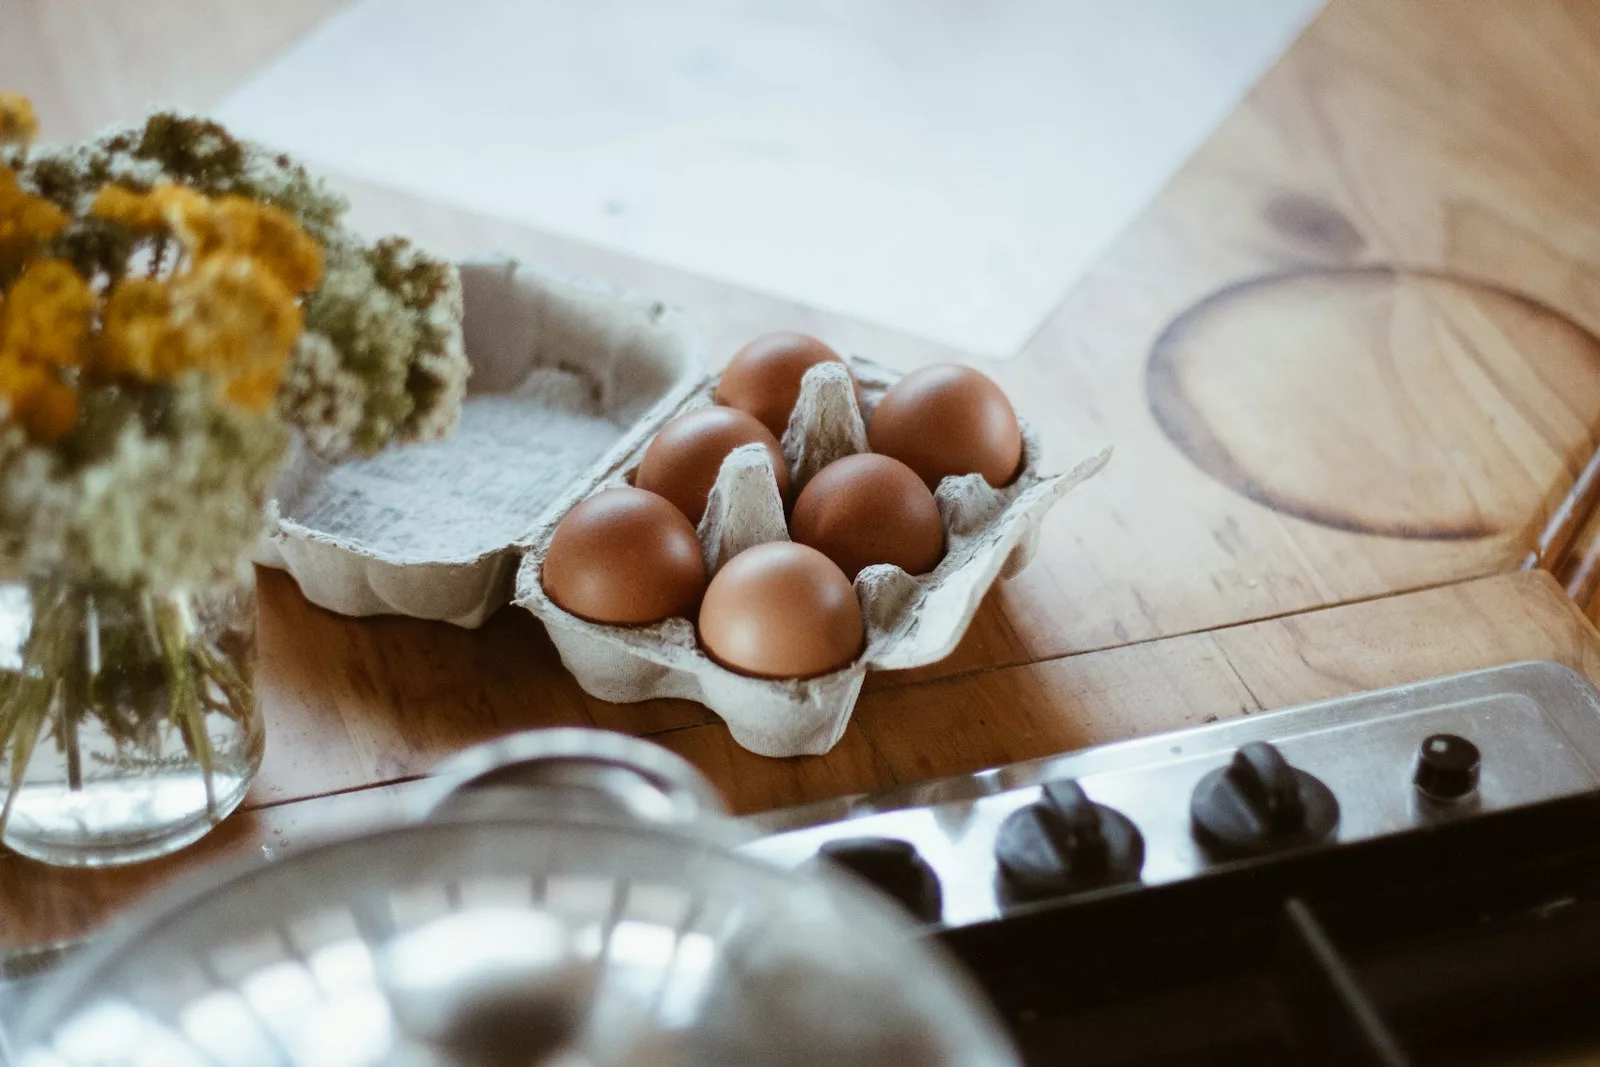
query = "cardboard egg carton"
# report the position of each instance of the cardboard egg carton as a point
(571, 380)
(911, 620)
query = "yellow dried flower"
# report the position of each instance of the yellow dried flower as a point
(51, 411)
(44, 323)
(239, 225)
(236, 319)
(229, 316)
(26, 221)
(230, 309)
(137, 211)
(46, 317)
(255, 391)
(164, 207)
(137, 339)
(234, 225)
(18, 123)
(46, 407)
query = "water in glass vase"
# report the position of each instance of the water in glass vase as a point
(128, 718)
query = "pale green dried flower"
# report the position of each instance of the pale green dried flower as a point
(375, 336)
(437, 374)
(321, 396)
(169, 492)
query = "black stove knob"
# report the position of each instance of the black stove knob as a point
(1259, 803)
(1065, 843)
(1447, 768)
(895, 867)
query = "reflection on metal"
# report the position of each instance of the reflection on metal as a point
(597, 924)
(1537, 725)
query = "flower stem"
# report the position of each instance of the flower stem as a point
(175, 630)
(28, 699)
(212, 666)
(67, 729)
(75, 684)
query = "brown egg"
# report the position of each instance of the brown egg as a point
(948, 419)
(781, 610)
(867, 509)
(626, 557)
(763, 378)
(683, 459)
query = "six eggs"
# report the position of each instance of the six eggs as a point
(783, 609)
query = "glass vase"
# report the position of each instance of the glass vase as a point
(128, 718)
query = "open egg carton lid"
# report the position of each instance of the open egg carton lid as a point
(910, 620)
(563, 368)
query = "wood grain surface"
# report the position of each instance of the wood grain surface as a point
(908, 733)
(1348, 359)
(1351, 350)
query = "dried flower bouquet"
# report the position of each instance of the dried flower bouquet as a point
(175, 306)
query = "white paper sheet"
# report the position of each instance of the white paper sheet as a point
(947, 168)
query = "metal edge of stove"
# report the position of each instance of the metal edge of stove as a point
(1569, 698)
(1539, 723)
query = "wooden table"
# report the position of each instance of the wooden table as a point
(1349, 359)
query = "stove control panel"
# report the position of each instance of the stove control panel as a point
(1158, 809)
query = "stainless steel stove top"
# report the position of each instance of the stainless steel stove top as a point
(1536, 726)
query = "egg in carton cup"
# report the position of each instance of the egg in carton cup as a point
(911, 620)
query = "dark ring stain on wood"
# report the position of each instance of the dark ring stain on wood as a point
(1184, 425)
